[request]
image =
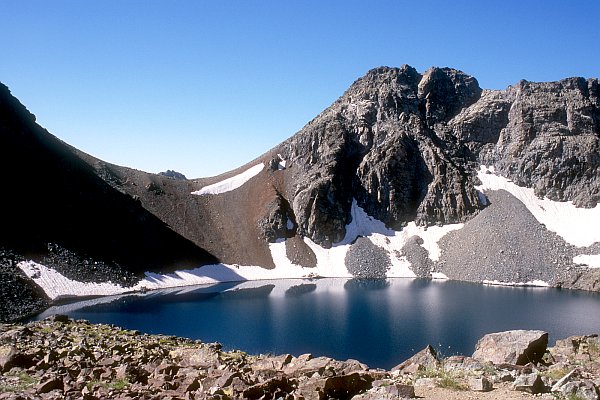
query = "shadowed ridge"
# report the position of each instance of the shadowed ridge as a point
(52, 196)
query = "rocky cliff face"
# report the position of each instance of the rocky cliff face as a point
(540, 135)
(406, 145)
(378, 144)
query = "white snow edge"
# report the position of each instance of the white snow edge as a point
(577, 226)
(590, 260)
(330, 262)
(229, 184)
(534, 283)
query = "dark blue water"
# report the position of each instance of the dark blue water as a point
(380, 322)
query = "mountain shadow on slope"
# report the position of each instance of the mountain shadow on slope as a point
(51, 196)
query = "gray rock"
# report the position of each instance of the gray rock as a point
(387, 391)
(515, 347)
(551, 139)
(426, 382)
(584, 389)
(426, 358)
(481, 384)
(376, 144)
(564, 380)
(530, 383)
(8, 355)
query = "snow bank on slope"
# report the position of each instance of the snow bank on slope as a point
(577, 226)
(591, 260)
(534, 283)
(232, 183)
(56, 285)
(330, 262)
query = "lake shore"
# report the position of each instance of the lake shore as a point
(62, 358)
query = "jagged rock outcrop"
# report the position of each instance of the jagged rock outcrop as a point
(541, 135)
(173, 174)
(404, 145)
(378, 144)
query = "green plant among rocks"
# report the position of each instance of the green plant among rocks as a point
(443, 378)
(450, 382)
(16, 382)
(556, 373)
(114, 384)
(574, 396)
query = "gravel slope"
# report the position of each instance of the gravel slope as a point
(505, 242)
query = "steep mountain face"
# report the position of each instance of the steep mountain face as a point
(367, 188)
(378, 144)
(406, 146)
(540, 135)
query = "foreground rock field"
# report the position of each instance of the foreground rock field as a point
(58, 358)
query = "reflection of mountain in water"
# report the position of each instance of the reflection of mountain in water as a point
(367, 284)
(146, 302)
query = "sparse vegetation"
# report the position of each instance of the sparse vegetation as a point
(556, 373)
(574, 396)
(116, 384)
(594, 348)
(444, 379)
(17, 382)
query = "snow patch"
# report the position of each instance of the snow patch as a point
(232, 183)
(591, 260)
(577, 226)
(56, 285)
(330, 262)
(534, 283)
(439, 275)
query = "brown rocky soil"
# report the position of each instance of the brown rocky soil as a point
(58, 358)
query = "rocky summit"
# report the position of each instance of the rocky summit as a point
(59, 358)
(407, 174)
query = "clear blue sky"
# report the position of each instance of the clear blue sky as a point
(205, 86)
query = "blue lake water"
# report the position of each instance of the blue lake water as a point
(379, 322)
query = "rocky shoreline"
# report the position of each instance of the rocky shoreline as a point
(59, 358)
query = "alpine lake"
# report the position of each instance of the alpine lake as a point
(378, 322)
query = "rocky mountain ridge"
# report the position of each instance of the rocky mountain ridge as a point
(410, 144)
(399, 148)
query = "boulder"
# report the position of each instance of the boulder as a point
(481, 384)
(575, 347)
(50, 384)
(424, 359)
(514, 347)
(11, 357)
(529, 383)
(336, 387)
(387, 391)
(270, 389)
(584, 390)
(202, 356)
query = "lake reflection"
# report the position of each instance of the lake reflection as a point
(379, 322)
